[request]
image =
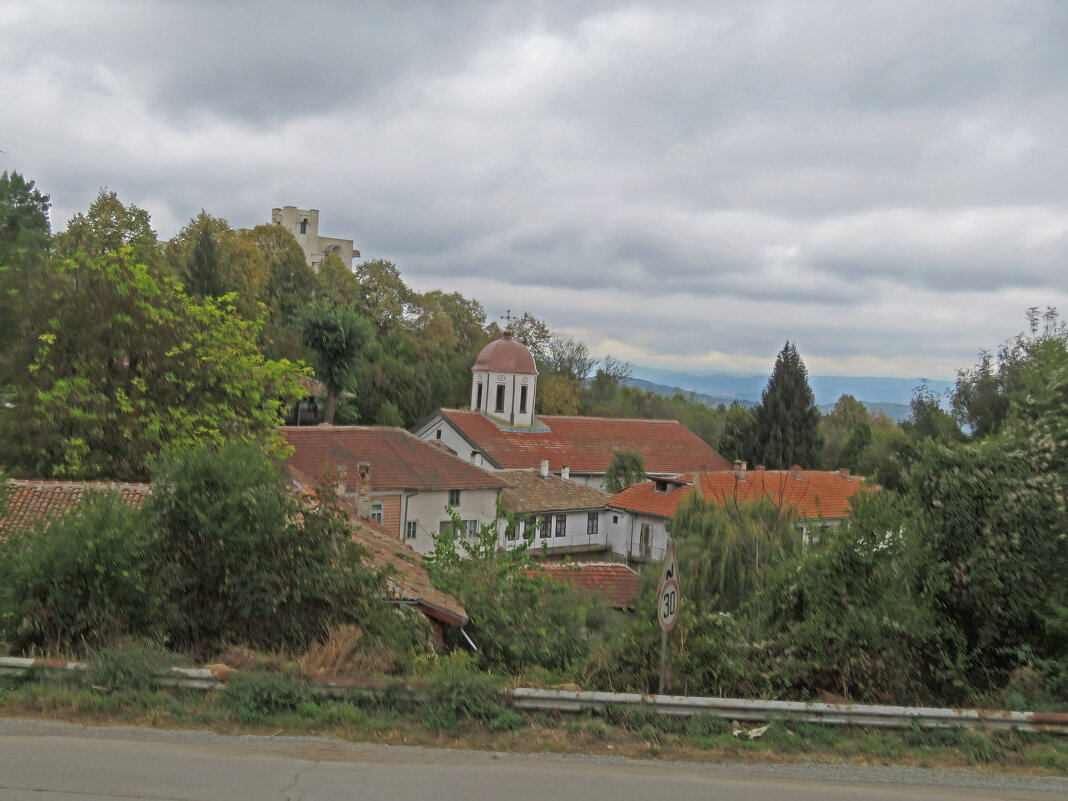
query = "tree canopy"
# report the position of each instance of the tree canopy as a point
(116, 363)
(786, 423)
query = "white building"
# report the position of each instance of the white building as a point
(304, 225)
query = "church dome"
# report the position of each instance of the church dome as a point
(505, 355)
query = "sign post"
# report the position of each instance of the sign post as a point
(667, 604)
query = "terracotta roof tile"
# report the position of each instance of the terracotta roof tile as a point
(586, 444)
(398, 459)
(615, 582)
(30, 502)
(528, 492)
(813, 494)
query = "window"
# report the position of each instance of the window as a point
(528, 528)
(615, 519)
(304, 226)
(561, 525)
(645, 541)
(660, 486)
(454, 498)
(410, 530)
(543, 529)
(376, 511)
(437, 434)
(471, 527)
(522, 400)
(478, 402)
(499, 407)
(591, 523)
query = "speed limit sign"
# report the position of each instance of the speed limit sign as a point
(669, 604)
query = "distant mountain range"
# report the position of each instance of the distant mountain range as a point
(890, 396)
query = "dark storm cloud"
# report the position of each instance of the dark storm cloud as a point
(672, 182)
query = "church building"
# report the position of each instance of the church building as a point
(502, 431)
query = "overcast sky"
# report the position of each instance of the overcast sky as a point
(677, 184)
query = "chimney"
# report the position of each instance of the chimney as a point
(544, 468)
(795, 471)
(844, 473)
(565, 473)
(363, 490)
(739, 469)
(342, 476)
(759, 468)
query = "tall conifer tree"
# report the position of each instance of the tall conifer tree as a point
(787, 420)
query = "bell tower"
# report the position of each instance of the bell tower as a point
(504, 382)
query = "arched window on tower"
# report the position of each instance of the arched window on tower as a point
(304, 226)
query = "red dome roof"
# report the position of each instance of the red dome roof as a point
(505, 355)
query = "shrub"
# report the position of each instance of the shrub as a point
(253, 697)
(460, 694)
(79, 582)
(127, 667)
(242, 561)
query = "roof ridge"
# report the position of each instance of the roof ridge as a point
(59, 483)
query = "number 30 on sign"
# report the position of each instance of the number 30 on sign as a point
(669, 604)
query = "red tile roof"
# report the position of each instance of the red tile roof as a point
(398, 459)
(586, 444)
(615, 582)
(30, 502)
(528, 493)
(813, 494)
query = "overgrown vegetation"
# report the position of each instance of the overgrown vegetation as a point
(221, 553)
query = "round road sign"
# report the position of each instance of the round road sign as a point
(669, 604)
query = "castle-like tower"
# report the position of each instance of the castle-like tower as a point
(304, 225)
(504, 382)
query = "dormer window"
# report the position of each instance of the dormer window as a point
(660, 486)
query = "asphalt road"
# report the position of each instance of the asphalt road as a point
(52, 762)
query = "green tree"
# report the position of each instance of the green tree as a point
(787, 421)
(727, 551)
(241, 560)
(927, 418)
(994, 523)
(984, 393)
(339, 338)
(627, 468)
(839, 425)
(289, 282)
(107, 227)
(385, 295)
(24, 242)
(114, 363)
(738, 438)
(846, 614)
(520, 618)
(203, 270)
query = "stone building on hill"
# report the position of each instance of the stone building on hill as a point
(304, 225)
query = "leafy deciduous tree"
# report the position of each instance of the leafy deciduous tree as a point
(339, 337)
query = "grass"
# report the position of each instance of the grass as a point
(463, 712)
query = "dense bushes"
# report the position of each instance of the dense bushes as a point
(520, 618)
(221, 553)
(82, 580)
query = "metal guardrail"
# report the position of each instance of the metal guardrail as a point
(897, 717)
(565, 701)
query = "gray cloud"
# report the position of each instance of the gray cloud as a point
(677, 182)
